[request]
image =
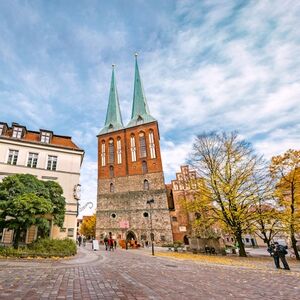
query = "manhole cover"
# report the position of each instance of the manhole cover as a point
(171, 266)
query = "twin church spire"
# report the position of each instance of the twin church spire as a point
(140, 111)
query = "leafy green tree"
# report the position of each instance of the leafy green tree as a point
(57, 200)
(24, 211)
(23, 185)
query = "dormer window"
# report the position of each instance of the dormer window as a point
(17, 132)
(140, 120)
(45, 137)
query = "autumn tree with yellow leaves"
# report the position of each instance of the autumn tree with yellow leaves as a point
(267, 218)
(286, 169)
(233, 176)
(88, 226)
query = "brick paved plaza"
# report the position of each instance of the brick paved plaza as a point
(134, 274)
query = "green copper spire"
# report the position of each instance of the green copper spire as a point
(140, 111)
(113, 120)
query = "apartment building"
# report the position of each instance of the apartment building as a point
(48, 156)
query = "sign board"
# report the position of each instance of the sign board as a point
(124, 224)
(95, 245)
(182, 228)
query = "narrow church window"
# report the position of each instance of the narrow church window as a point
(111, 151)
(143, 151)
(152, 145)
(146, 185)
(111, 171)
(103, 154)
(111, 188)
(119, 151)
(144, 167)
(133, 148)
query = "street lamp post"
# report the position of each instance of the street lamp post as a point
(150, 202)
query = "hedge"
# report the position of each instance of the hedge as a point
(42, 248)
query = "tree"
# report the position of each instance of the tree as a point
(58, 202)
(25, 184)
(286, 169)
(232, 173)
(24, 211)
(88, 226)
(267, 224)
(203, 224)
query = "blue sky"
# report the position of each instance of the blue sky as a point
(205, 65)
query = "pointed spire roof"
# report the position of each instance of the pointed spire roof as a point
(140, 111)
(113, 119)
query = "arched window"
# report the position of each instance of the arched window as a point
(111, 188)
(144, 167)
(143, 150)
(133, 148)
(119, 151)
(111, 151)
(111, 172)
(152, 144)
(103, 154)
(146, 185)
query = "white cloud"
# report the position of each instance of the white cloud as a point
(88, 180)
(242, 75)
(207, 66)
(173, 156)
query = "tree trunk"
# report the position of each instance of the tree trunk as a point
(267, 241)
(294, 243)
(242, 251)
(16, 238)
(266, 238)
(292, 230)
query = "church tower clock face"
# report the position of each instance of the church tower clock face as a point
(130, 172)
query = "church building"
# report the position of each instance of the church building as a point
(132, 198)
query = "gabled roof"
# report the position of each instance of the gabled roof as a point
(31, 136)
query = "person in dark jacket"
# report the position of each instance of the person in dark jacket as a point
(79, 240)
(273, 252)
(106, 243)
(281, 250)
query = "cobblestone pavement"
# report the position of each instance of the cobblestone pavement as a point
(135, 274)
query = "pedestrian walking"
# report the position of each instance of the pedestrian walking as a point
(84, 241)
(110, 244)
(273, 252)
(106, 243)
(115, 244)
(79, 240)
(281, 250)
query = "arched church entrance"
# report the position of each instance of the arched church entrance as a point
(130, 236)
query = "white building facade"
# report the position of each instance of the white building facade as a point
(49, 157)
